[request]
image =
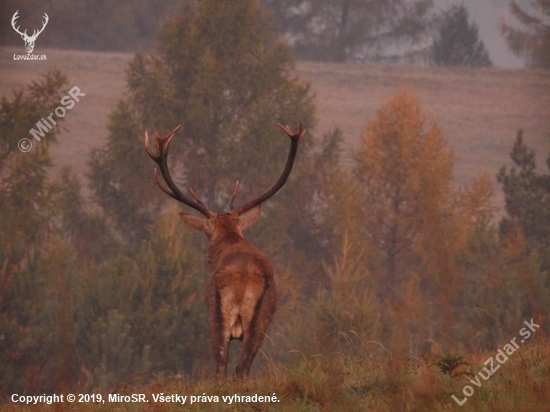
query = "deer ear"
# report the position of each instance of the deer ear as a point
(249, 218)
(195, 222)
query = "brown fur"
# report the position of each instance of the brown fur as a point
(241, 293)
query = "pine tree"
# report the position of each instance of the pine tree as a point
(336, 30)
(458, 43)
(533, 41)
(527, 199)
(27, 286)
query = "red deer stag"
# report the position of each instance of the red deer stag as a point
(241, 292)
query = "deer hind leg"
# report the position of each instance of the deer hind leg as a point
(255, 329)
(220, 349)
(219, 335)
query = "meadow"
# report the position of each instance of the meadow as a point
(478, 110)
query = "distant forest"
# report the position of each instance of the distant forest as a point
(322, 30)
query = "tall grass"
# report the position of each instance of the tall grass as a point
(341, 383)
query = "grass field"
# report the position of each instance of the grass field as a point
(519, 383)
(478, 110)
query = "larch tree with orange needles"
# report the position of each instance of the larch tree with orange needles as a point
(414, 223)
(405, 171)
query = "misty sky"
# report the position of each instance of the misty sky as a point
(486, 14)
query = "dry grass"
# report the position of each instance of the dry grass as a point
(479, 111)
(317, 384)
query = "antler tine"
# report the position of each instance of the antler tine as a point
(36, 32)
(233, 196)
(299, 135)
(194, 194)
(148, 148)
(13, 20)
(295, 139)
(161, 159)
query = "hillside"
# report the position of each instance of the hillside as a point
(479, 111)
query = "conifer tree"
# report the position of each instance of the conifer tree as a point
(414, 227)
(26, 212)
(532, 41)
(340, 30)
(527, 199)
(458, 43)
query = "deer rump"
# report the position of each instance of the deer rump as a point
(241, 299)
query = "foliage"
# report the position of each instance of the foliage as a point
(63, 318)
(404, 173)
(329, 30)
(532, 41)
(228, 83)
(527, 198)
(458, 43)
(118, 178)
(25, 225)
(424, 243)
(527, 226)
(318, 29)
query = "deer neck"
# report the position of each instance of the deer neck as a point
(223, 246)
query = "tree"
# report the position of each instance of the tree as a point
(458, 43)
(414, 227)
(219, 72)
(527, 199)
(335, 30)
(26, 214)
(404, 171)
(25, 189)
(533, 42)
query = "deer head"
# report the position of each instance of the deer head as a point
(241, 292)
(29, 40)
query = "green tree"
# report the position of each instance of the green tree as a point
(533, 40)
(457, 43)
(221, 74)
(527, 199)
(26, 212)
(330, 30)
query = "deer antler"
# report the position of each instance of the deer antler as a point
(13, 19)
(295, 139)
(233, 196)
(35, 32)
(161, 159)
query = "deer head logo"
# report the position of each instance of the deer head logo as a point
(29, 40)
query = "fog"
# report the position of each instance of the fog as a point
(487, 14)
